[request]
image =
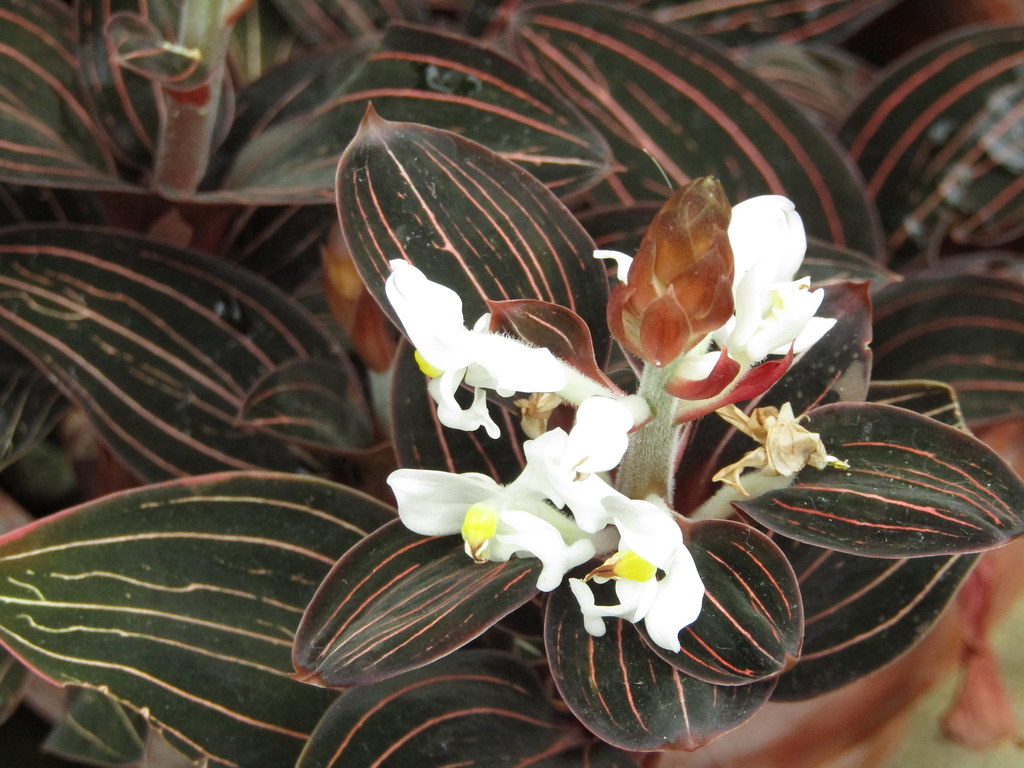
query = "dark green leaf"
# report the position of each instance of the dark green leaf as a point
(826, 263)
(929, 398)
(834, 369)
(782, 21)
(30, 406)
(914, 487)
(314, 403)
(182, 598)
(419, 76)
(628, 696)
(159, 345)
(468, 219)
(751, 624)
(50, 138)
(13, 678)
(967, 330)
(399, 600)
(96, 730)
(937, 139)
(136, 44)
(321, 22)
(671, 104)
(862, 612)
(422, 442)
(475, 709)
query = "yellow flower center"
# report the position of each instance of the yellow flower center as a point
(478, 528)
(625, 565)
(426, 367)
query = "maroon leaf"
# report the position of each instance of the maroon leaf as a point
(936, 139)
(397, 601)
(751, 624)
(914, 487)
(628, 696)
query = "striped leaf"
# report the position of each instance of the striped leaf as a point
(914, 487)
(827, 263)
(475, 708)
(863, 612)
(50, 137)
(22, 205)
(303, 402)
(182, 598)
(419, 76)
(466, 217)
(629, 697)
(126, 103)
(96, 730)
(422, 442)
(398, 601)
(322, 22)
(160, 346)
(937, 139)
(929, 398)
(751, 624)
(671, 103)
(835, 369)
(967, 330)
(29, 407)
(781, 21)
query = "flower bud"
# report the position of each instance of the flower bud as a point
(679, 287)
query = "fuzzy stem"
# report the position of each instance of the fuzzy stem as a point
(648, 465)
(191, 108)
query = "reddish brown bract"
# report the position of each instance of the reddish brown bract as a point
(679, 287)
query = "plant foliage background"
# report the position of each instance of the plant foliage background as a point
(203, 390)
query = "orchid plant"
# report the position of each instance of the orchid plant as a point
(381, 393)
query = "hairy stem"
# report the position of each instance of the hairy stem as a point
(649, 462)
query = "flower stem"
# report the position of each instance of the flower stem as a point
(648, 465)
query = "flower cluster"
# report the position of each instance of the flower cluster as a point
(562, 508)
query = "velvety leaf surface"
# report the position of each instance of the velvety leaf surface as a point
(159, 345)
(782, 21)
(475, 708)
(670, 103)
(751, 624)
(183, 598)
(29, 407)
(628, 696)
(862, 612)
(937, 139)
(914, 487)
(468, 219)
(49, 135)
(420, 76)
(304, 402)
(967, 330)
(399, 600)
(835, 369)
(321, 22)
(422, 442)
(96, 730)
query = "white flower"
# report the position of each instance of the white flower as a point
(622, 262)
(450, 353)
(773, 311)
(496, 521)
(564, 467)
(650, 542)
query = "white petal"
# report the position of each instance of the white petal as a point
(592, 614)
(646, 529)
(767, 227)
(431, 314)
(508, 365)
(600, 436)
(816, 328)
(520, 532)
(678, 602)
(623, 261)
(453, 415)
(434, 503)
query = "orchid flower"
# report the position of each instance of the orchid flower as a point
(450, 353)
(650, 541)
(773, 311)
(496, 522)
